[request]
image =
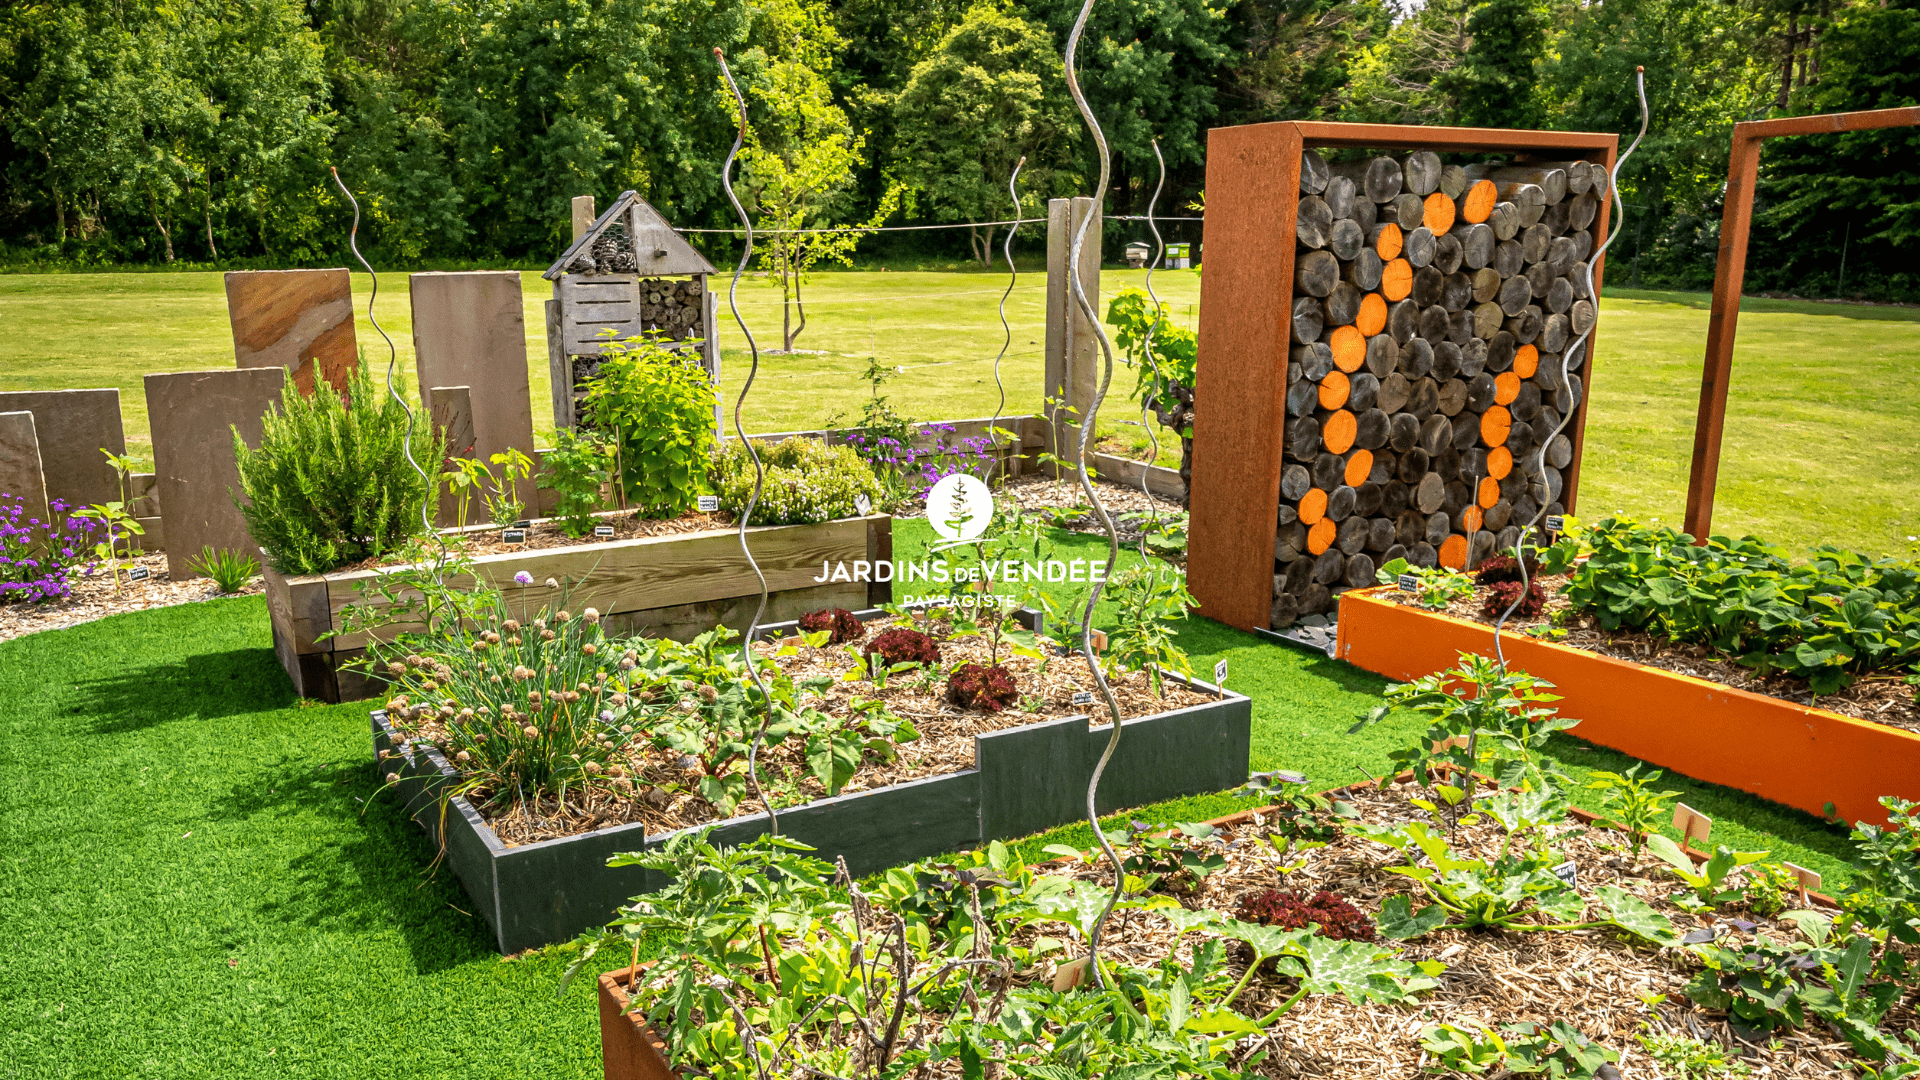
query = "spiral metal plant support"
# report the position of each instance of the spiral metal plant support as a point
(393, 360)
(1146, 349)
(1006, 328)
(1087, 423)
(759, 471)
(1566, 359)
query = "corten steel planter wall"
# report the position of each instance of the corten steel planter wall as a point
(1796, 755)
(1246, 311)
(1024, 780)
(675, 586)
(630, 1049)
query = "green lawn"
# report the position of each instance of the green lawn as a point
(200, 880)
(1822, 440)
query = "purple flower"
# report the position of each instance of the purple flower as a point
(523, 578)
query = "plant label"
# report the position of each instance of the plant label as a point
(1568, 873)
(1556, 523)
(513, 536)
(523, 523)
(603, 532)
(1693, 824)
(139, 573)
(709, 504)
(1083, 697)
(1099, 640)
(1220, 673)
(862, 505)
(1809, 881)
(1408, 583)
(1067, 976)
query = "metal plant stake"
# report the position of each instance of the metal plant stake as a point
(1086, 484)
(759, 471)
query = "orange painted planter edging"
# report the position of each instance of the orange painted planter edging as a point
(1796, 755)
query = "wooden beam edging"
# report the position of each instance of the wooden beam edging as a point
(1729, 274)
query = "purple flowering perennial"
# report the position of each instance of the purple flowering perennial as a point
(38, 558)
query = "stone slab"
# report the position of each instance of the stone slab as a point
(73, 427)
(452, 411)
(469, 329)
(192, 415)
(20, 477)
(300, 320)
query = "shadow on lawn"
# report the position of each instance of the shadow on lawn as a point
(368, 864)
(199, 687)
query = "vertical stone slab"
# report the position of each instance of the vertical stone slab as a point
(452, 411)
(469, 329)
(20, 477)
(1073, 351)
(193, 415)
(300, 320)
(73, 426)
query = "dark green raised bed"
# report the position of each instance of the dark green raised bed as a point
(1024, 780)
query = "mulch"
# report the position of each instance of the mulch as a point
(95, 597)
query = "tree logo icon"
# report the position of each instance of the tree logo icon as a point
(960, 507)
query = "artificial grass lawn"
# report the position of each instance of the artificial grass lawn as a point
(200, 880)
(1819, 443)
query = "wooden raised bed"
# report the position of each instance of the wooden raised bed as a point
(1797, 755)
(676, 586)
(1024, 780)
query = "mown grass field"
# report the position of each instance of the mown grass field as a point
(1822, 440)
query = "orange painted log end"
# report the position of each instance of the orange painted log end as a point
(1396, 280)
(1358, 466)
(1373, 315)
(1349, 347)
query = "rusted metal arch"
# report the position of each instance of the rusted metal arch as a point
(1736, 222)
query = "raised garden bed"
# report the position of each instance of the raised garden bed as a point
(1023, 779)
(1795, 754)
(1626, 994)
(674, 585)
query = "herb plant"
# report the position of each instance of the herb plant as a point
(576, 468)
(659, 404)
(1558, 1049)
(806, 481)
(331, 484)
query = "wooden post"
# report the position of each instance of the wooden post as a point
(582, 215)
(1729, 273)
(1073, 350)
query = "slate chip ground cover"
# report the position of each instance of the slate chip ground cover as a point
(200, 881)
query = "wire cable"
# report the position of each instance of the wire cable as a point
(759, 471)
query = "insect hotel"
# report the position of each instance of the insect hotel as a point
(627, 272)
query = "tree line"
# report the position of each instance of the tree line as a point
(200, 131)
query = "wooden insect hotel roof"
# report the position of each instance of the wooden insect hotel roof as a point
(631, 237)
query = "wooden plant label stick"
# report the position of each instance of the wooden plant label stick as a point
(1693, 824)
(1069, 975)
(1809, 881)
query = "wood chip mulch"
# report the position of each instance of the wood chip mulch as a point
(1034, 493)
(94, 598)
(1601, 981)
(1882, 699)
(667, 798)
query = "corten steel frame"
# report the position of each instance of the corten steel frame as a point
(1253, 193)
(1736, 222)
